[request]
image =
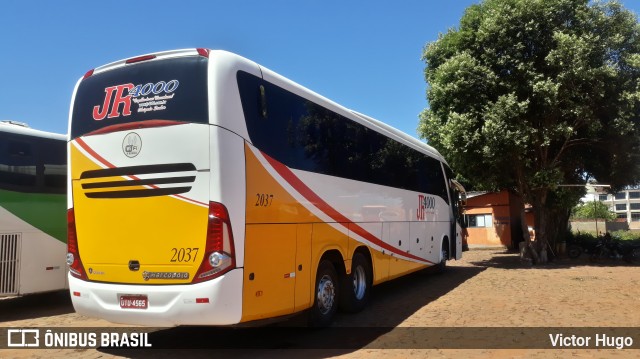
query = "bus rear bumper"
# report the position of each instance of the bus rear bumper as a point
(215, 302)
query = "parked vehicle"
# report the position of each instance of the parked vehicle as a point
(33, 235)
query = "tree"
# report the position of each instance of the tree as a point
(530, 94)
(592, 210)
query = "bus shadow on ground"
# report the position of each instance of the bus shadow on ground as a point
(33, 306)
(391, 304)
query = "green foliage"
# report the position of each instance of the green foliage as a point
(588, 237)
(529, 94)
(592, 210)
(626, 235)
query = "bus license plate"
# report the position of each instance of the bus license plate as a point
(133, 302)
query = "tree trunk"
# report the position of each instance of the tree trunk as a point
(542, 221)
(529, 245)
(551, 226)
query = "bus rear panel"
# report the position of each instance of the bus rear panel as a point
(144, 235)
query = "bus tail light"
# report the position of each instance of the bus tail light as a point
(219, 256)
(73, 254)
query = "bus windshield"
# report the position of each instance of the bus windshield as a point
(167, 90)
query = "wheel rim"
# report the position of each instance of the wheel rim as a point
(359, 282)
(326, 294)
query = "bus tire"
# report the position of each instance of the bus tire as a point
(356, 287)
(325, 303)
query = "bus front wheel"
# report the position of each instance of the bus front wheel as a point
(326, 291)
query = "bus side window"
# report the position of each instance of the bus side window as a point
(54, 166)
(19, 149)
(17, 164)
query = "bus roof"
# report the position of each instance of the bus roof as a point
(22, 129)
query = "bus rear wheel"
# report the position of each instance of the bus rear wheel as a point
(356, 287)
(325, 303)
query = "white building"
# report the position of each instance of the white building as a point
(626, 203)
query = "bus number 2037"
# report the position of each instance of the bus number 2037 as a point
(263, 199)
(184, 254)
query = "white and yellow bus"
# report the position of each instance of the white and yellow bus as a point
(33, 184)
(207, 189)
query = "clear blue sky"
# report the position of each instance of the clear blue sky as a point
(362, 54)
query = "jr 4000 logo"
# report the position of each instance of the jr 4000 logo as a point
(425, 204)
(158, 94)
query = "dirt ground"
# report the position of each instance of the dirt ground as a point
(488, 292)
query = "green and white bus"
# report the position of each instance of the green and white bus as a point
(33, 167)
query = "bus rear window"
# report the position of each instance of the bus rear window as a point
(171, 89)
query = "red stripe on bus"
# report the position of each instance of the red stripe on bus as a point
(190, 200)
(93, 153)
(323, 206)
